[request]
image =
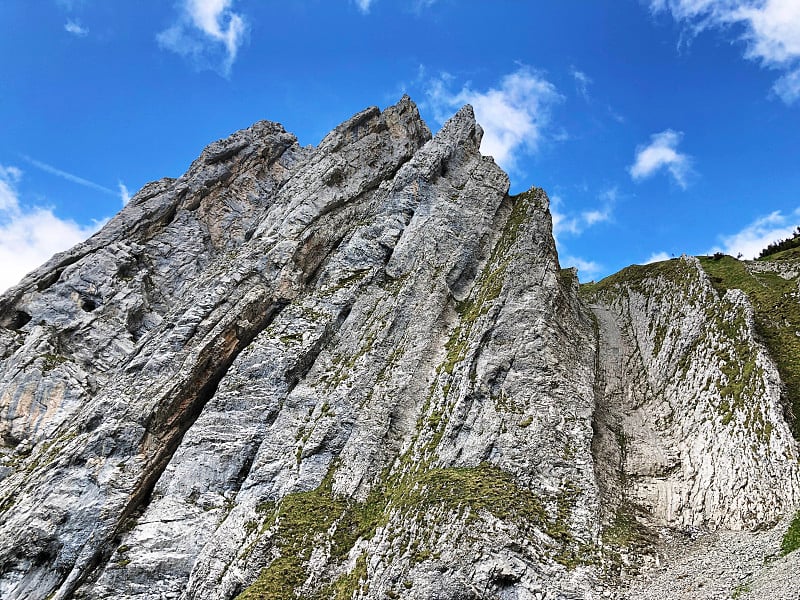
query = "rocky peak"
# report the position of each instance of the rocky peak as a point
(358, 371)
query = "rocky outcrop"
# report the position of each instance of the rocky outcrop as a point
(318, 393)
(692, 419)
(358, 371)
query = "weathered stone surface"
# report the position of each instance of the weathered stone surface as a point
(693, 401)
(358, 371)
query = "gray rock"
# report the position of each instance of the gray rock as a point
(358, 371)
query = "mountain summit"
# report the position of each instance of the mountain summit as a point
(357, 371)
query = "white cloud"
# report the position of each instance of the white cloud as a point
(570, 223)
(514, 116)
(75, 28)
(563, 223)
(657, 257)
(417, 5)
(586, 268)
(124, 194)
(756, 236)
(363, 5)
(616, 116)
(788, 87)
(205, 28)
(29, 235)
(595, 216)
(566, 224)
(582, 82)
(662, 152)
(70, 4)
(770, 30)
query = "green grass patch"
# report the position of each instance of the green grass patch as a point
(489, 283)
(637, 277)
(777, 319)
(305, 520)
(783, 255)
(791, 539)
(625, 531)
(51, 361)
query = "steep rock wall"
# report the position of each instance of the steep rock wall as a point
(358, 371)
(691, 422)
(353, 370)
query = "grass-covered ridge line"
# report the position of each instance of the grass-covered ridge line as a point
(776, 311)
(489, 283)
(636, 276)
(781, 249)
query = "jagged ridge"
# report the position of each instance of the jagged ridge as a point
(357, 371)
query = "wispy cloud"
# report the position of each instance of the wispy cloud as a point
(68, 176)
(515, 115)
(416, 5)
(756, 236)
(582, 83)
(363, 5)
(657, 257)
(586, 268)
(770, 30)
(576, 222)
(662, 153)
(70, 4)
(206, 28)
(75, 28)
(788, 87)
(124, 194)
(29, 235)
(619, 118)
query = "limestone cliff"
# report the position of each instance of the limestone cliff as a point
(358, 371)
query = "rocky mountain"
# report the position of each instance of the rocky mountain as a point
(357, 371)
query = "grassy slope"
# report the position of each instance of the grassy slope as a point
(776, 306)
(777, 315)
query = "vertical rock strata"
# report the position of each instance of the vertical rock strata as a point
(357, 371)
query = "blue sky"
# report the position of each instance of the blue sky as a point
(657, 127)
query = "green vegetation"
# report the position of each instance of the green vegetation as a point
(638, 277)
(626, 536)
(782, 249)
(777, 319)
(625, 531)
(791, 539)
(567, 278)
(740, 590)
(304, 520)
(353, 278)
(51, 361)
(417, 491)
(489, 283)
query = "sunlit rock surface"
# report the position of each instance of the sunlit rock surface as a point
(358, 371)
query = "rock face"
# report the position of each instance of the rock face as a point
(358, 371)
(692, 401)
